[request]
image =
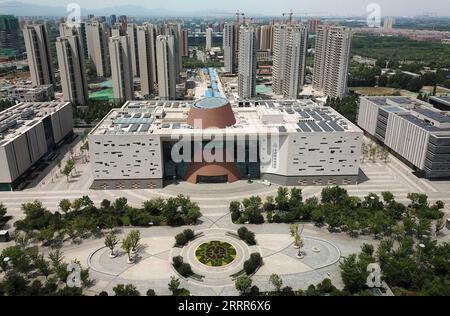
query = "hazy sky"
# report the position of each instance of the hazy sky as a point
(273, 7)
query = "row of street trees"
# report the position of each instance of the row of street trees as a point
(130, 244)
(80, 218)
(28, 272)
(380, 216)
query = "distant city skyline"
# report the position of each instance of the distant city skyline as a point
(263, 7)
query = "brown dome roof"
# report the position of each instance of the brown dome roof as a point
(224, 168)
(211, 112)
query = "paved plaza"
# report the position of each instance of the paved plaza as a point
(153, 267)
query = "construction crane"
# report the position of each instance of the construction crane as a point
(238, 14)
(291, 14)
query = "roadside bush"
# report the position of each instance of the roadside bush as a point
(177, 261)
(151, 292)
(183, 238)
(247, 236)
(189, 234)
(253, 263)
(185, 270)
(182, 268)
(180, 239)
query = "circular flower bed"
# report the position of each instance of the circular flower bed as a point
(215, 253)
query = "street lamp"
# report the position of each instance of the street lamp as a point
(421, 246)
(8, 265)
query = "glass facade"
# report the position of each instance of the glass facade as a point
(247, 164)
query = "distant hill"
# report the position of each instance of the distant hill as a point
(28, 9)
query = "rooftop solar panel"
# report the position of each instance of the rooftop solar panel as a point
(335, 126)
(144, 128)
(433, 115)
(282, 129)
(303, 114)
(304, 127)
(134, 128)
(325, 126)
(314, 126)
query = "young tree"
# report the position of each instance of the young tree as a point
(127, 245)
(65, 205)
(373, 152)
(68, 168)
(111, 242)
(298, 242)
(56, 257)
(174, 284)
(276, 281)
(2, 211)
(135, 237)
(282, 199)
(243, 283)
(440, 223)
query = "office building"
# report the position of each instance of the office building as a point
(209, 35)
(39, 55)
(76, 29)
(146, 38)
(229, 47)
(97, 41)
(388, 23)
(289, 59)
(288, 142)
(132, 40)
(72, 70)
(247, 63)
(121, 68)
(312, 25)
(415, 131)
(441, 103)
(166, 63)
(112, 19)
(331, 60)
(266, 38)
(29, 132)
(174, 29)
(116, 30)
(185, 43)
(20, 93)
(9, 34)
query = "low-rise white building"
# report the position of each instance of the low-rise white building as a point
(28, 132)
(289, 142)
(29, 93)
(414, 130)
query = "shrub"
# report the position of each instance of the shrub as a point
(253, 263)
(183, 238)
(234, 210)
(151, 292)
(182, 268)
(247, 236)
(276, 218)
(254, 291)
(242, 231)
(182, 292)
(185, 270)
(177, 262)
(189, 234)
(269, 216)
(180, 239)
(287, 291)
(250, 238)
